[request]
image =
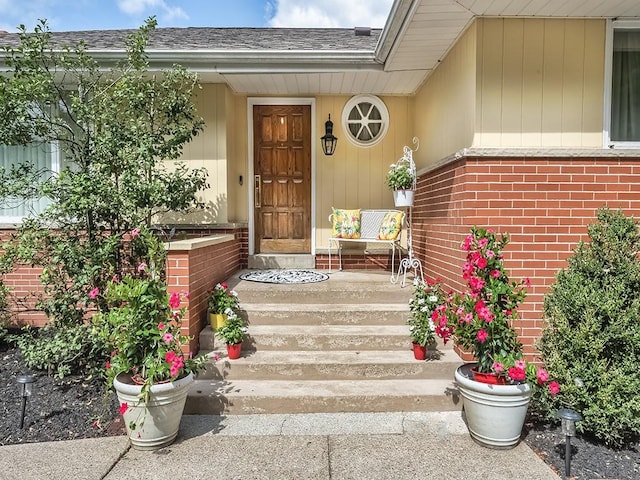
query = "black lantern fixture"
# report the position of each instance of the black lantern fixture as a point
(569, 418)
(25, 385)
(328, 140)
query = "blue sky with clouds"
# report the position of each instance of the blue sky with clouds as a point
(64, 15)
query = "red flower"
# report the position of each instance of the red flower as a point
(517, 373)
(482, 335)
(482, 263)
(554, 388)
(170, 356)
(107, 365)
(495, 273)
(123, 408)
(174, 300)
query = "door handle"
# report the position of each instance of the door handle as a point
(257, 191)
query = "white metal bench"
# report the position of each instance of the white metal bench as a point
(370, 223)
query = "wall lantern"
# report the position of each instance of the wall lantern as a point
(569, 418)
(25, 385)
(328, 140)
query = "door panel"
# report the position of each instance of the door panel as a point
(282, 165)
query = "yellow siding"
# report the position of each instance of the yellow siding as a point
(541, 82)
(354, 177)
(237, 129)
(208, 150)
(445, 105)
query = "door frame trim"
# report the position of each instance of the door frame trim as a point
(251, 102)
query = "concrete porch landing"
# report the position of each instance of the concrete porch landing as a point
(341, 345)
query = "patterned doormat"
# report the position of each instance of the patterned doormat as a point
(284, 276)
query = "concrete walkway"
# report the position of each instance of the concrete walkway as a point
(362, 446)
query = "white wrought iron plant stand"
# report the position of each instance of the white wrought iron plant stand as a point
(410, 262)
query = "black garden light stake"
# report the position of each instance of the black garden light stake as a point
(569, 418)
(25, 384)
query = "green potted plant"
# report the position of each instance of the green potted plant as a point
(496, 390)
(401, 179)
(223, 301)
(426, 297)
(147, 367)
(232, 334)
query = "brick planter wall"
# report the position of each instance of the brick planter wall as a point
(545, 204)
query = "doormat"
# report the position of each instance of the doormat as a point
(284, 276)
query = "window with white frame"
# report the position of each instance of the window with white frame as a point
(45, 158)
(365, 120)
(624, 121)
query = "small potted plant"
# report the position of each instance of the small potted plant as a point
(426, 297)
(222, 302)
(401, 179)
(147, 366)
(232, 334)
(481, 320)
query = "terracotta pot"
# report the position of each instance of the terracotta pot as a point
(419, 351)
(488, 378)
(233, 350)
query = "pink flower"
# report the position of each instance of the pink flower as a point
(216, 357)
(170, 356)
(468, 318)
(107, 365)
(483, 242)
(497, 367)
(482, 263)
(95, 424)
(123, 408)
(495, 273)
(94, 293)
(490, 253)
(542, 375)
(142, 267)
(466, 245)
(161, 326)
(527, 282)
(114, 279)
(223, 285)
(516, 373)
(482, 335)
(554, 388)
(521, 364)
(167, 338)
(185, 294)
(174, 300)
(135, 232)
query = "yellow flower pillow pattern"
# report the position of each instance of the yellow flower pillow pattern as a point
(390, 226)
(346, 223)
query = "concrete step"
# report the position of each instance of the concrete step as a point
(326, 314)
(241, 397)
(336, 365)
(264, 261)
(319, 337)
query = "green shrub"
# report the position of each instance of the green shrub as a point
(591, 343)
(61, 350)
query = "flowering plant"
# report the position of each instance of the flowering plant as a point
(222, 299)
(481, 320)
(426, 297)
(234, 330)
(400, 175)
(141, 328)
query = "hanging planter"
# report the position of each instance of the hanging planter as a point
(403, 198)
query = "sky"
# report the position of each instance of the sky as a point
(65, 15)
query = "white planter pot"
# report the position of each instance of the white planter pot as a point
(403, 198)
(157, 421)
(495, 413)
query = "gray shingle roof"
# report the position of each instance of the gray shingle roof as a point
(225, 39)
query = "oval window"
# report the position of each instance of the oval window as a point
(365, 120)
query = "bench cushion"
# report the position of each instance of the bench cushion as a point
(390, 226)
(346, 223)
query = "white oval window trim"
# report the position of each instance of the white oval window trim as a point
(365, 120)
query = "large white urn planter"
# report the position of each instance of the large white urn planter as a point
(157, 421)
(495, 414)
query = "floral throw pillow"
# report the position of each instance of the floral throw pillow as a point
(346, 223)
(390, 226)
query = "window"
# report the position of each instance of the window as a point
(624, 127)
(365, 120)
(45, 158)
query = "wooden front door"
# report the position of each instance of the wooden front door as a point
(282, 183)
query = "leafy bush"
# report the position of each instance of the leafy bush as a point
(591, 343)
(61, 351)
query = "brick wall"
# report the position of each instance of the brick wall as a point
(545, 204)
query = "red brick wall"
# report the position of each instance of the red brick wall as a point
(545, 204)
